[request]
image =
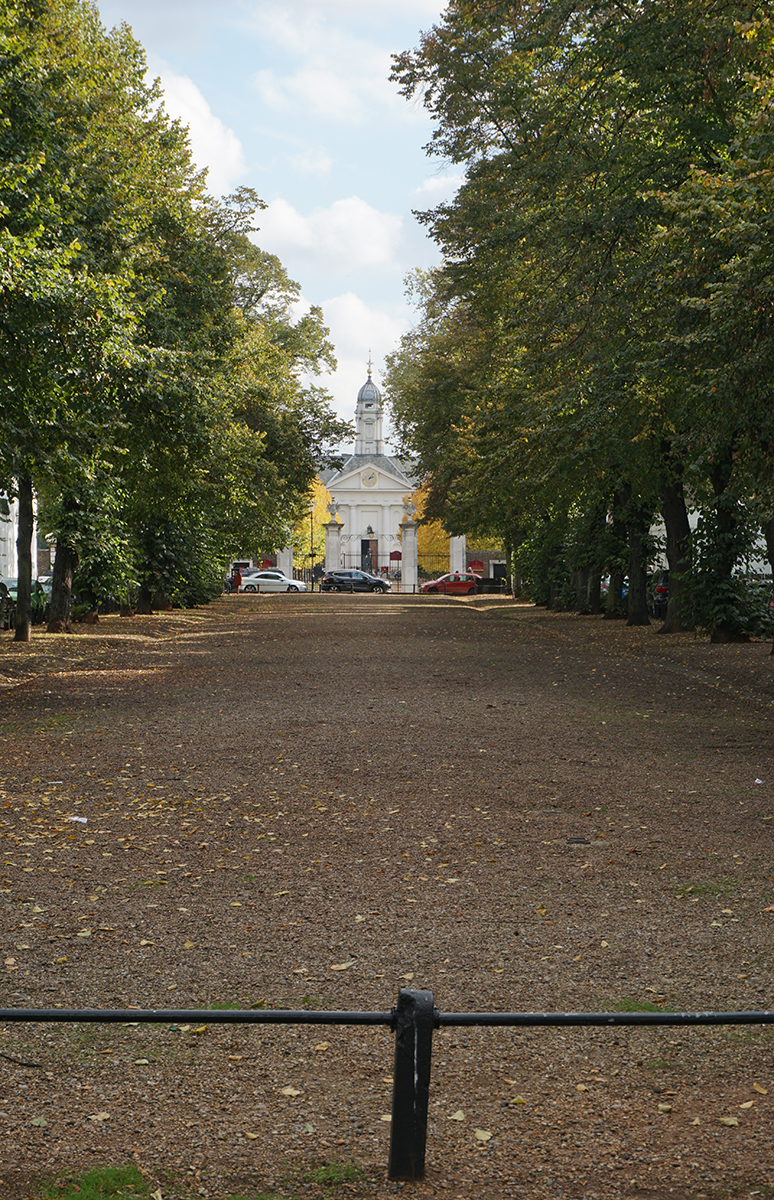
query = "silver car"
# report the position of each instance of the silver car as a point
(271, 581)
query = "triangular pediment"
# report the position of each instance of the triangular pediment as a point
(389, 473)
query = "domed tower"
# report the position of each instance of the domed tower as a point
(368, 419)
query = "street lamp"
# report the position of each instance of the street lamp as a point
(311, 541)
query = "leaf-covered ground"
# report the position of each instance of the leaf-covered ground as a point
(312, 801)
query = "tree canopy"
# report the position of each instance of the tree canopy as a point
(153, 375)
(562, 386)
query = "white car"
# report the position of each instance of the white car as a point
(270, 581)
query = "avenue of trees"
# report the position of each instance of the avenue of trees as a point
(151, 370)
(596, 349)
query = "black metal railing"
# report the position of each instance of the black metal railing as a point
(413, 1021)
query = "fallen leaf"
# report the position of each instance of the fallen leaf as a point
(665, 1108)
(457, 1116)
(604, 945)
(482, 1135)
(343, 966)
(157, 1195)
(581, 1087)
(728, 1120)
(199, 1029)
(251, 1136)
(142, 1062)
(696, 1121)
(290, 1091)
(41, 1122)
(100, 1116)
(747, 1104)
(188, 945)
(386, 1117)
(309, 1128)
(144, 942)
(762, 1091)
(517, 1100)
(322, 1046)
(359, 919)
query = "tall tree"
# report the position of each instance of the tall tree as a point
(572, 121)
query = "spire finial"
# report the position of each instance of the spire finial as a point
(370, 364)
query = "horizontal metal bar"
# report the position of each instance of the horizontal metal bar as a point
(273, 1016)
(196, 1016)
(610, 1018)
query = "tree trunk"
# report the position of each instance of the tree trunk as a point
(595, 592)
(637, 518)
(65, 562)
(145, 600)
(678, 551)
(726, 550)
(24, 556)
(638, 572)
(768, 533)
(614, 604)
(581, 579)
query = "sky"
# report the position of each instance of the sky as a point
(292, 98)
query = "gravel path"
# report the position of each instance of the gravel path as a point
(312, 801)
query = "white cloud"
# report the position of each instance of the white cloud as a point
(313, 89)
(311, 164)
(439, 183)
(348, 236)
(213, 144)
(324, 69)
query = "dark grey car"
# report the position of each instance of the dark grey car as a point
(342, 580)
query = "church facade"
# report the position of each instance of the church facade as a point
(371, 495)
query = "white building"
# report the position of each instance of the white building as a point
(369, 492)
(9, 531)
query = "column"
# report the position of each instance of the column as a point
(408, 566)
(333, 544)
(457, 550)
(285, 561)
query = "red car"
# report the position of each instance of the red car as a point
(456, 583)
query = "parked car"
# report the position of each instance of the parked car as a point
(342, 580)
(7, 607)
(660, 594)
(270, 581)
(40, 600)
(456, 583)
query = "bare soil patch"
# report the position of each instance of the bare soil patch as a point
(518, 810)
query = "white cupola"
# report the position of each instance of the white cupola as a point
(368, 419)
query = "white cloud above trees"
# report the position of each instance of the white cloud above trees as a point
(213, 145)
(349, 233)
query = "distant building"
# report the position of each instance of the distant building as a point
(369, 491)
(9, 531)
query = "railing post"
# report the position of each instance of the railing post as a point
(414, 1021)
